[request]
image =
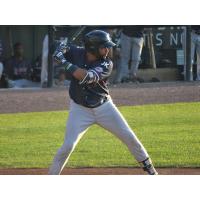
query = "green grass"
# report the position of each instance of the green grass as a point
(170, 133)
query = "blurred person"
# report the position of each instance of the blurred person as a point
(61, 81)
(18, 68)
(36, 69)
(3, 78)
(44, 68)
(132, 40)
(116, 53)
(1, 59)
(1, 69)
(195, 48)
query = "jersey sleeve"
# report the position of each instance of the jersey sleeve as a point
(100, 71)
(71, 56)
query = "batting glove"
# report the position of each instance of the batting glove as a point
(59, 57)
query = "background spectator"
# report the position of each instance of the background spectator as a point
(195, 47)
(132, 39)
(17, 67)
(44, 69)
(1, 59)
(3, 78)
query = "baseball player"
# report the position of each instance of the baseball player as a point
(89, 69)
(195, 46)
(132, 40)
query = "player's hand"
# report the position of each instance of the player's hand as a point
(59, 52)
(62, 47)
(59, 57)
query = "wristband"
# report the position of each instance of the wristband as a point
(69, 67)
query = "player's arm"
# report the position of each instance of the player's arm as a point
(101, 71)
(74, 70)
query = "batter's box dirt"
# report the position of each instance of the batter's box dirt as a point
(102, 171)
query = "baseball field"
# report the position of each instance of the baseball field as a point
(165, 117)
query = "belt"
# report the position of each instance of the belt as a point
(98, 103)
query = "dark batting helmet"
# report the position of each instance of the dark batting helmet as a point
(97, 39)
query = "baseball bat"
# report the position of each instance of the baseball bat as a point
(77, 33)
(75, 36)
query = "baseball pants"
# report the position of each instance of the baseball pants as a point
(131, 49)
(195, 48)
(107, 116)
(195, 45)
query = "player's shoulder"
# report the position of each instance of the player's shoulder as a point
(105, 62)
(103, 65)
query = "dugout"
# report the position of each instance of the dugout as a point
(167, 42)
(167, 45)
(30, 36)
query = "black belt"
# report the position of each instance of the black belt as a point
(96, 104)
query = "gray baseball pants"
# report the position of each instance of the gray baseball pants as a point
(131, 49)
(195, 47)
(107, 116)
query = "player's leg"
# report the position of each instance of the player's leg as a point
(111, 119)
(124, 56)
(79, 120)
(198, 58)
(193, 46)
(1, 69)
(137, 46)
(44, 66)
(116, 61)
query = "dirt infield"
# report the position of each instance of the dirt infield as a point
(36, 100)
(102, 171)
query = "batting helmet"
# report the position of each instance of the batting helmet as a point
(97, 39)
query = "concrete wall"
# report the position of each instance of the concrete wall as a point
(163, 74)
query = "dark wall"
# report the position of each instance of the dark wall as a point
(30, 36)
(167, 41)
